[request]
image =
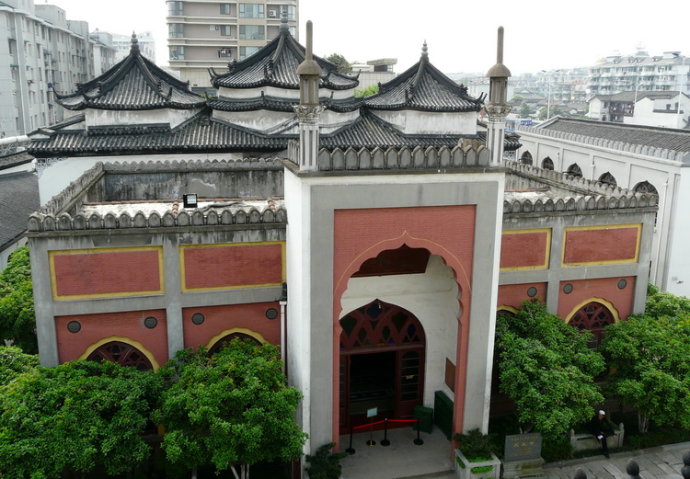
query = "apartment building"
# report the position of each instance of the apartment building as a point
(42, 50)
(205, 34)
(617, 73)
(123, 43)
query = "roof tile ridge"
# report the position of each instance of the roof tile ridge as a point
(154, 83)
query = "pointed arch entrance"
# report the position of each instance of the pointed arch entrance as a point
(382, 358)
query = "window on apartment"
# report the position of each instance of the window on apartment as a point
(225, 9)
(291, 11)
(225, 53)
(176, 8)
(249, 10)
(248, 51)
(225, 30)
(176, 30)
(177, 52)
(252, 32)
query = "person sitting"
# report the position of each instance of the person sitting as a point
(601, 428)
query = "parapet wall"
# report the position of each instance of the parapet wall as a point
(646, 150)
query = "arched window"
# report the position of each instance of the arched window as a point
(547, 164)
(121, 353)
(222, 342)
(574, 170)
(608, 179)
(646, 188)
(593, 317)
(526, 158)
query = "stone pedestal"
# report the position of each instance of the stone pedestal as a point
(522, 456)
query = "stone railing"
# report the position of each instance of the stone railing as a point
(404, 158)
(66, 222)
(683, 157)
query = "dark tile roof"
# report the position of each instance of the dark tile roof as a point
(133, 84)
(276, 65)
(265, 102)
(423, 87)
(18, 199)
(666, 138)
(201, 133)
(15, 159)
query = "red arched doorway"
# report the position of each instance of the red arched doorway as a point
(593, 317)
(382, 354)
(221, 343)
(121, 353)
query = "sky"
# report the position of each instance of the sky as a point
(461, 35)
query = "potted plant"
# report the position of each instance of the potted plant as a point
(473, 458)
(325, 464)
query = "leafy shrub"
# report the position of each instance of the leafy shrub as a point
(474, 445)
(325, 464)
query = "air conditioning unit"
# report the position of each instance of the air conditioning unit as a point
(272, 14)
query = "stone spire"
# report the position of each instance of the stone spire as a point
(135, 44)
(497, 107)
(309, 110)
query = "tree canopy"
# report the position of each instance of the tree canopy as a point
(650, 356)
(17, 316)
(344, 66)
(76, 417)
(14, 362)
(546, 368)
(231, 409)
(368, 91)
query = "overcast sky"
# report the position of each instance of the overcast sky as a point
(461, 34)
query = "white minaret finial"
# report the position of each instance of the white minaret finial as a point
(309, 110)
(497, 107)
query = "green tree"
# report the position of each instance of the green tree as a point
(546, 368)
(232, 409)
(14, 362)
(525, 110)
(75, 418)
(650, 356)
(341, 62)
(17, 316)
(368, 91)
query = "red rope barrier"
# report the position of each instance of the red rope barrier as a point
(371, 424)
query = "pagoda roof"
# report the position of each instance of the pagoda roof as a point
(423, 87)
(272, 103)
(135, 83)
(276, 65)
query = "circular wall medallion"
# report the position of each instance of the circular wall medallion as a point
(568, 288)
(74, 326)
(198, 318)
(150, 322)
(271, 313)
(531, 291)
(622, 284)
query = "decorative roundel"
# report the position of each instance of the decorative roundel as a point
(74, 326)
(271, 313)
(622, 284)
(150, 322)
(198, 318)
(531, 291)
(568, 288)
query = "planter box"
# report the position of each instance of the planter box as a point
(466, 472)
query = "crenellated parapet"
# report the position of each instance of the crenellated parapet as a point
(194, 165)
(638, 149)
(569, 193)
(76, 189)
(417, 158)
(66, 222)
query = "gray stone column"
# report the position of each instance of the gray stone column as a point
(173, 293)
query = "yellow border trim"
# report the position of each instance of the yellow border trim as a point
(510, 309)
(122, 339)
(547, 250)
(635, 259)
(227, 332)
(91, 251)
(608, 304)
(183, 272)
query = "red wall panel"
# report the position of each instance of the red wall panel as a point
(233, 266)
(604, 288)
(610, 244)
(110, 272)
(525, 250)
(516, 294)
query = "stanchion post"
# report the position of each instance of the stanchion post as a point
(371, 441)
(419, 441)
(350, 450)
(385, 441)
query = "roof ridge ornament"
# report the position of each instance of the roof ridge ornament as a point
(135, 44)
(425, 50)
(284, 20)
